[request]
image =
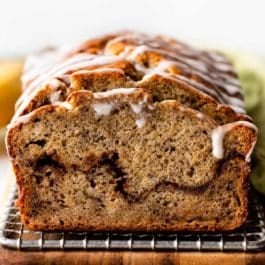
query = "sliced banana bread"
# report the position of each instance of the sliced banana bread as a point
(131, 132)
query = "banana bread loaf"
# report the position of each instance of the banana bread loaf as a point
(131, 132)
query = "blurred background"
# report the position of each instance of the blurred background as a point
(234, 26)
(28, 25)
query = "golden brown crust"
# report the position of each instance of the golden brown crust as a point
(190, 74)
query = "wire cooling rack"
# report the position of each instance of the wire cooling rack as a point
(250, 237)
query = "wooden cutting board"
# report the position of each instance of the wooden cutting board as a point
(130, 258)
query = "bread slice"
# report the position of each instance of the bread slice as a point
(118, 161)
(131, 132)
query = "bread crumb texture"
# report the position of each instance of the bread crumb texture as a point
(130, 132)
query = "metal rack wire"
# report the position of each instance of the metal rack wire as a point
(250, 237)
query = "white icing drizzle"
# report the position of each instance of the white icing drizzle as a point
(219, 133)
(162, 67)
(54, 83)
(139, 50)
(248, 155)
(55, 63)
(216, 57)
(137, 108)
(238, 109)
(235, 108)
(116, 91)
(232, 89)
(27, 117)
(179, 48)
(199, 115)
(234, 102)
(103, 109)
(197, 65)
(43, 61)
(55, 96)
(99, 70)
(21, 120)
(64, 104)
(194, 63)
(217, 142)
(76, 62)
(223, 67)
(238, 104)
(140, 122)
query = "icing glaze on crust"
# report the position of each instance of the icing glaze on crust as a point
(137, 107)
(219, 133)
(208, 72)
(115, 91)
